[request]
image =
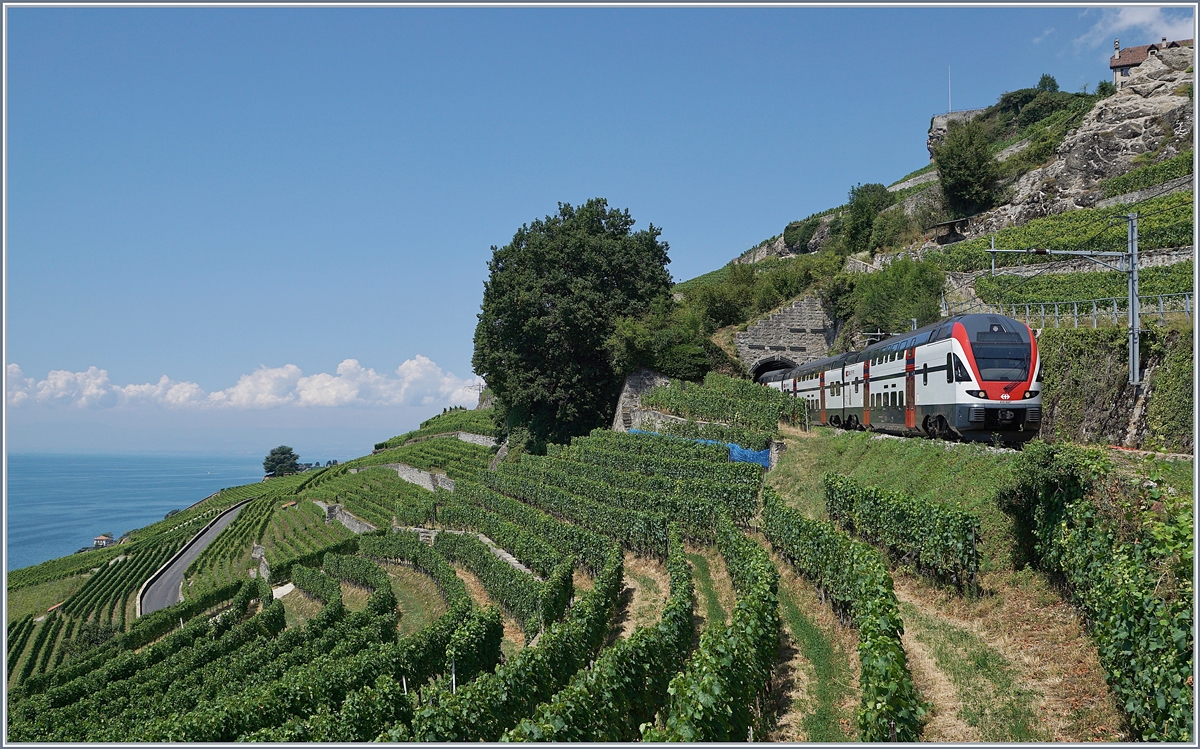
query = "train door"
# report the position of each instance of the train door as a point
(821, 420)
(910, 388)
(866, 418)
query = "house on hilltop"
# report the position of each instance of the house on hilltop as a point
(99, 542)
(1124, 60)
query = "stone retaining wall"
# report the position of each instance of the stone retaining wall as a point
(426, 479)
(343, 516)
(637, 384)
(799, 333)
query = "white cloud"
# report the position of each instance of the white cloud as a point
(266, 387)
(1043, 35)
(1139, 25)
(17, 386)
(166, 391)
(417, 382)
(81, 389)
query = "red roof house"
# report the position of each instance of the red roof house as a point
(1124, 60)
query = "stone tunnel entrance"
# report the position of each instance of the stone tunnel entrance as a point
(771, 364)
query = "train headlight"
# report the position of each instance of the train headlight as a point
(1031, 393)
(977, 393)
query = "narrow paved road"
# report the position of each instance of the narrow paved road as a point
(164, 591)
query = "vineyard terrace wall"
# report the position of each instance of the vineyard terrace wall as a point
(1088, 398)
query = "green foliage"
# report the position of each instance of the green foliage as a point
(586, 546)
(527, 547)
(1165, 221)
(893, 228)
(1169, 415)
(455, 458)
(1046, 103)
(474, 421)
(365, 573)
(1105, 89)
(671, 338)
(627, 684)
(495, 702)
(713, 699)
(855, 578)
(747, 438)
(518, 592)
(406, 546)
(1125, 552)
(641, 532)
(316, 583)
(281, 460)
(865, 203)
(941, 539)
(967, 171)
(281, 571)
(1149, 175)
(737, 402)
(551, 301)
(1047, 83)
(798, 233)
(1065, 287)
(62, 567)
(905, 289)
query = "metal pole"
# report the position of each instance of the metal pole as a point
(1134, 313)
(993, 255)
(1075, 313)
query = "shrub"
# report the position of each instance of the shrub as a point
(1126, 556)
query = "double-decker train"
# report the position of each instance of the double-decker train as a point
(969, 377)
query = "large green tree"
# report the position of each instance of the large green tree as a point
(281, 460)
(966, 169)
(552, 298)
(865, 203)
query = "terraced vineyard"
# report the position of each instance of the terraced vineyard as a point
(1066, 287)
(474, 421)
(802, 623)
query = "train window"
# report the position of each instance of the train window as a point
(949, 367)
(900, 397)
(960, 371)
(856, 385)
(925, 373)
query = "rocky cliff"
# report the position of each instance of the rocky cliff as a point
(1151, 116)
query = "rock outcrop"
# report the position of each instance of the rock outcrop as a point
(1151, 114)
(940, 125)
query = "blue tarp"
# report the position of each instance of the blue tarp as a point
(737, 453)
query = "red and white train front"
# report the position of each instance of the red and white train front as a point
(969, 377)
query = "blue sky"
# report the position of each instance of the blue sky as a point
(232, 228)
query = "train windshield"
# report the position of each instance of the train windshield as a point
(1001, 346)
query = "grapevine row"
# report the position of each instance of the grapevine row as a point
(942, 539)
(855, 578)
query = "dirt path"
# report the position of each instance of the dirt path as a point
(514, 637)
(1041, 677)
(647, 586)
(815, 684)
(714, 591)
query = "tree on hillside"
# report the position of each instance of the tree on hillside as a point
(866, 201)
(551, 301)
(1047, 83)
(281, 460)
(890, 299)
(966, 169)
